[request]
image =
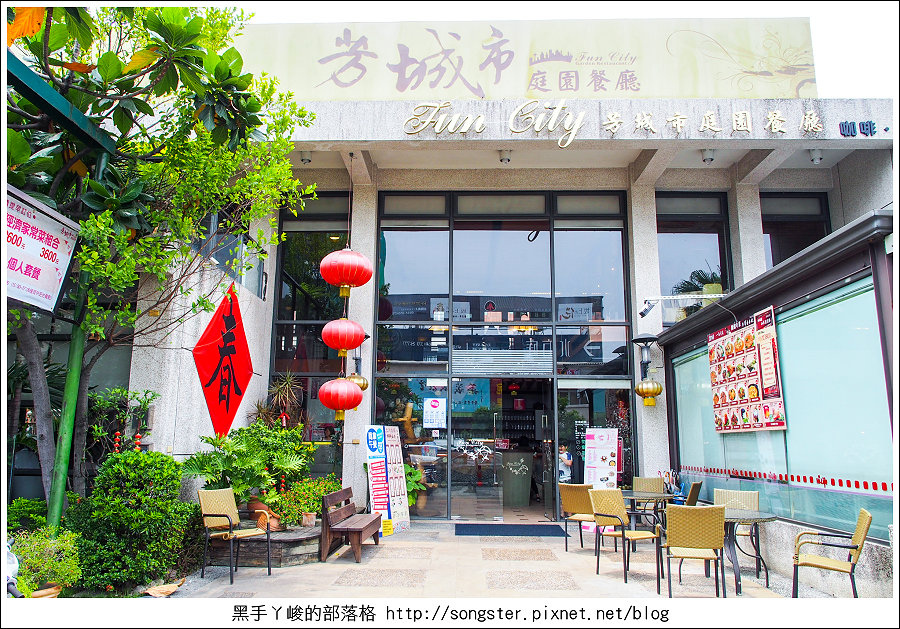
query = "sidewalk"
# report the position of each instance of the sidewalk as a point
(430, 561)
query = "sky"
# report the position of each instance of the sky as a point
(855, 45)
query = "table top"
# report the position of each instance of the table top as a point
(748, 517)
(629, 494)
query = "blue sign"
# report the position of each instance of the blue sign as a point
(375, 440)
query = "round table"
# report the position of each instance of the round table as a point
(733, 517)
(656, 497)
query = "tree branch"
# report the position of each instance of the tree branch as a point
(59, 176)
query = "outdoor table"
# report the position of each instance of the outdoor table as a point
(647, 496)
(733, 517)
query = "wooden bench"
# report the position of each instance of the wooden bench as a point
(341, 521)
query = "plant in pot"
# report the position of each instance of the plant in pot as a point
(231, 463)
(414, 485)
(47, 563)
(303, 500)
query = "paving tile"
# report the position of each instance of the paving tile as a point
(518, 554)
(376, 577)
(530, 580)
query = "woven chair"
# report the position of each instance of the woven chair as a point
(693, 495)
(654, 484)
(857, 540)
(576, 506)
(696, 533)
(608, 507)
(221, 521)
(747, 500)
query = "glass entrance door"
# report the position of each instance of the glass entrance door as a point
(497, 457)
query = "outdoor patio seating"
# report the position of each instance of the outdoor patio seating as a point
(749, 501)
(696, 533)
(857, 540)
(576, 506)
(221, 520)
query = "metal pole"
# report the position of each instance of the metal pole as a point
(70, 393)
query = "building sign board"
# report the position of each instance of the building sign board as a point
(387, 478)
(39, 247)
(745, 375)
(495, 60)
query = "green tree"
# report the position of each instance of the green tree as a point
(201, 160)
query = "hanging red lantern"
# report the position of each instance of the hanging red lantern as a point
(339, 395)
(343, 334)
(346, 268)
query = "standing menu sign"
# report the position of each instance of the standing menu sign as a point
(746, 376)
(387, 478)
(39, 246)
(601, 454)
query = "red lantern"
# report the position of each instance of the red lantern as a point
(343, 334)
(346, 268)
(340, 395)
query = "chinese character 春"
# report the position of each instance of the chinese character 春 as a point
(740, 121)
(811, 123)
(775, 122)
(867, 128)
(538, 81)
(613, 122)
(628, 81)
(568, 81)
(496, 56)
(225, 369)
(709, 122)
(677, 121)
(598, 78)
(848, 129)
(411, 71)
(644, 121)
(356, 50)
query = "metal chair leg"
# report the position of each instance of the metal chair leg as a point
(203, 565)
(269, 551)
(716, 568)
(231, 561)
(853, 584)
(724, 583)
(669, 566)
(580, 535)
(237, 554)
(794, 586)
(567, 535)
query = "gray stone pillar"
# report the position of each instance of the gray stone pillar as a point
(748, 258)
(651, 427)
(363, 239)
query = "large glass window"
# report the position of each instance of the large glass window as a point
(692, 249)
(791, 222)
(590, 278)
(414, 275)
(303, 294)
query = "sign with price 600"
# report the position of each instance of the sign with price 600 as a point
(39, 246)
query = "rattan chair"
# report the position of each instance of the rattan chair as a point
(654, 484)
(608, 507)
(693, 494)
(576, 506)
(696, 533)
(748, 500)
(221, 521)
(857, 540)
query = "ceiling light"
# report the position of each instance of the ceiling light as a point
(708, 155)
(504, 156)
(305, 157)
(815, 156)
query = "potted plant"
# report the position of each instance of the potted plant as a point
(303, 500)
(414, 485)
(231, 463)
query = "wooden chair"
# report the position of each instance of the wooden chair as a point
(576, 506)
(341, 521)
(857, 540)
(749, 501)
(696, 533)
(221, 521)
(608, 507)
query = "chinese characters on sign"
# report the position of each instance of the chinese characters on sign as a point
(387, 478)
(745, 375)
(223, 363)
(39, 246)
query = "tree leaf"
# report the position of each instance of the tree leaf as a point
(29, 21)
(143, 106)
(192, 82)
(168, 83)
(99, 189)
(43, 198)
(78, 67)
(109, 66)
(93, 201)
(219, 135)
(132, 191)
(123, 119)
(17, 148)
(233, 58)
(59, 36)
(140, 60)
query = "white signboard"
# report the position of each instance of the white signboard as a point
(387, 478)
(434, 413)
(601, 447)
(39, 245)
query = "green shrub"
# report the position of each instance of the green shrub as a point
(305, 497)
(133, 527)
(26, 513)
(43, 559)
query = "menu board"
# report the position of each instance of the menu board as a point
(601, 457)
(387, 478)
(745, 375)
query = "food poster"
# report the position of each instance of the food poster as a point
(387, 478)
(745, 375)
(601, 455)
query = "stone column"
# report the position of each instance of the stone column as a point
(363, 239)
(748, 258)
(651, 426)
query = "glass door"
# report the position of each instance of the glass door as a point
(497, 456)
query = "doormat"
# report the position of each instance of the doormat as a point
(511, 530)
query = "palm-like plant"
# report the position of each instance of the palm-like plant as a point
(231, 463)
(694, 284)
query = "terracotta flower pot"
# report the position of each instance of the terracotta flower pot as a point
(48, 592)
(309, 520)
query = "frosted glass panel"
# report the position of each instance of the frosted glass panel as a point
(699, 445)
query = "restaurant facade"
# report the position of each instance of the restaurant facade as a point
(534, 196)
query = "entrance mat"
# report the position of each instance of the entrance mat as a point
(511, 530)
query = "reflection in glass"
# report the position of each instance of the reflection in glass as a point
(400, 402)
(592, 350)
(523, 349)
(782, 239)
(590, 282)
(300, 349)
(501, 271)
(303, 294)
(412, 348)
(414, 275)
